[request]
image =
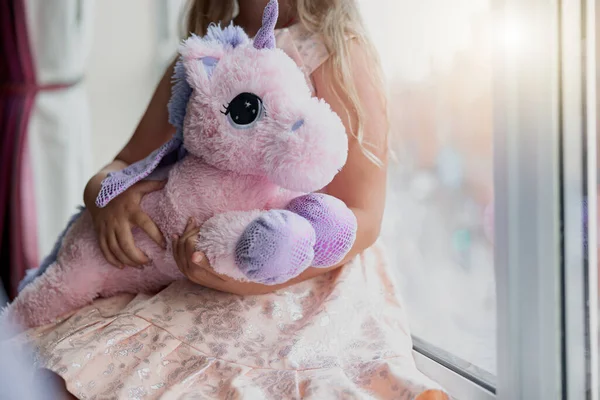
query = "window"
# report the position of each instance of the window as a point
(493, 107)
(441, 189)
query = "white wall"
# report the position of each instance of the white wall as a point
(122, 72)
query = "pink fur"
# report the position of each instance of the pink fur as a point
(303, 160)
(227, 179)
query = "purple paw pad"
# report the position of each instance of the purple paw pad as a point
(334, 224)
(275, 247)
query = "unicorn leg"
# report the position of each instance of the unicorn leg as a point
(65, 286)
(334, 224)
(267, 247)
(51, 258)
(80, 274)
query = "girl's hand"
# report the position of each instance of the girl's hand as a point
(187, 258)
(113, 225)
(191, 262)
(196, 267)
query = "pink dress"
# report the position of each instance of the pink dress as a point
(342, 335)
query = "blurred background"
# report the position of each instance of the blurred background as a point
(96, 64)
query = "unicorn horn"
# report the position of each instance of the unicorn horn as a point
(265, 37)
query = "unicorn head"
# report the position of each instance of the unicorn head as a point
(245, 106)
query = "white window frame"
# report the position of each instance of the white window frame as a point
(578, 140)
(546, 281)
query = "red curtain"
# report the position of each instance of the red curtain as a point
(18, 88)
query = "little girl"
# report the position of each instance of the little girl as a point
(328, 334)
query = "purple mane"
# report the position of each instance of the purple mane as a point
(229, 36)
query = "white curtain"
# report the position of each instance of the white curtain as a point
(60, 32)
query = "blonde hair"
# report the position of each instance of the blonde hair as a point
(335, 21)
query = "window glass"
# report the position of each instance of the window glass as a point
(437, 57)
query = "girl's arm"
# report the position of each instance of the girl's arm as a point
(361, 184)
(113, 223)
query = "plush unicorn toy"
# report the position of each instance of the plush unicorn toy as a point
(252, 145)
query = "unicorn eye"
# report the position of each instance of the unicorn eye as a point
(244, 110)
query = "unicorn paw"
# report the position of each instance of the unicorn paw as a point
(275, 247)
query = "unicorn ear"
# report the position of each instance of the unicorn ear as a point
(209, 64)
(199, 58)
(196, 47)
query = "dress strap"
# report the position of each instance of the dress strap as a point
(305, 48)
